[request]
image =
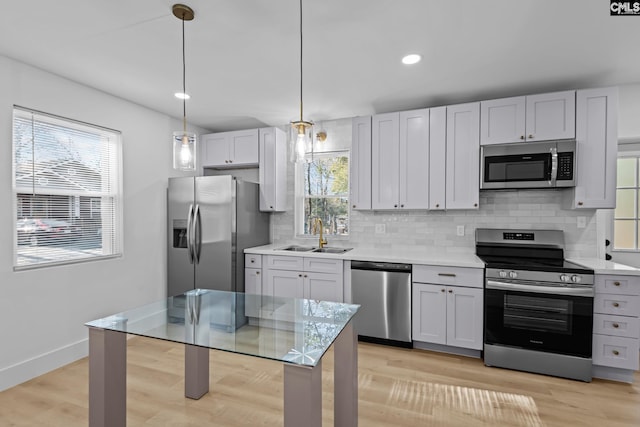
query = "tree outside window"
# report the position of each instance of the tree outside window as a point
(326, 193)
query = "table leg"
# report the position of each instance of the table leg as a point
(303, 395)
(196, 371)
(107, 378)
(345, 378)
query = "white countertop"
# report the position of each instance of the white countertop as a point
(401, 255)
(601, 266)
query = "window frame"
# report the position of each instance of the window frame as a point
(628, 150)
(300, 179)
(114, 194)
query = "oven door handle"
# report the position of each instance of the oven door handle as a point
(557, 290)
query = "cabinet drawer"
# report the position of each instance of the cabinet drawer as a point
(253, 261)
(616, 352)
(625, 285)
(323, 265)
(621, 326)
(460, 276)
(621, 305)
(284, 262)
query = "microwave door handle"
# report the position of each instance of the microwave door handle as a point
(554, 167)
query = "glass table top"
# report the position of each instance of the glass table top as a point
(297, 331)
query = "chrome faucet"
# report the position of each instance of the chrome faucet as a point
(317, 224)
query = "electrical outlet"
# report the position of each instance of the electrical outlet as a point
(380, 229)
(460, 230)
(582, 221)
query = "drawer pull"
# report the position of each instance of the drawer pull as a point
(616, 352)
(450, 291)
(257, 273)
(441, 290)
(615, 304)
(447, 274)
(615, 325)
(616, 283)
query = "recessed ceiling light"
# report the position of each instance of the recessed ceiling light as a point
(411, 59)
(181, 95)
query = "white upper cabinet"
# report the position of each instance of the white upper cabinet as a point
(230, 149)
(273, 170)
(360, 164)
(463, 156)
(530, 118)
(400, 160)
(437, 157)
(597, 149)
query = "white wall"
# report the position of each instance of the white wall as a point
(629, 112)
(42, 311)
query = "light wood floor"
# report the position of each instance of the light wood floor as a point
(397, 387)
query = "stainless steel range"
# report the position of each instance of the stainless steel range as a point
(538, 307)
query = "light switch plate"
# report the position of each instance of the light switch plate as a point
(460, 230)
(582, 221)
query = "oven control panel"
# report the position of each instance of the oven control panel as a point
(518, 236)
(562, 279)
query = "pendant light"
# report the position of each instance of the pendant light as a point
(302, 129)
(184, 143)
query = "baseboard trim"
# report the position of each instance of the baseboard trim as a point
(46, 362)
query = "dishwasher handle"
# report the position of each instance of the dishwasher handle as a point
(380, 266)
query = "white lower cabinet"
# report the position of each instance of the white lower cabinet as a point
(616, 326)
(449, 309)
(298, 277)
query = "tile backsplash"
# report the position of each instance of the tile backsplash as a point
(536, 209)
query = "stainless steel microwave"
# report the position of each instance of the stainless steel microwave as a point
(548, 164)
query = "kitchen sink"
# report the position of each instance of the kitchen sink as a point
(296, 248)
(332, 250)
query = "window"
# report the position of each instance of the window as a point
(67, 186)
(625, 235)
(326, 193)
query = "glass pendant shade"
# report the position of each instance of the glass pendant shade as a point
(301, 134)
(184, 151)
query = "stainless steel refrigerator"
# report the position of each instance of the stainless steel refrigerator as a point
(211, 220)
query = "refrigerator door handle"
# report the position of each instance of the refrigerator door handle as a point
(190, 234)
(197, 233)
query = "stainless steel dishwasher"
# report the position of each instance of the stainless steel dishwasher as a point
(384, 292)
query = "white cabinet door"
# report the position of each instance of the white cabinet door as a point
(243, 147)
(551, 116)
(414, 159)
(596, 147)
(429, 313)
(253, 281)
(437, 157)
(464, 317)
(284, 283)
(502, 120)
(360, 164)
(273, 170)
(385, 155)
(463, 156)
(214, 150)
(323, 286)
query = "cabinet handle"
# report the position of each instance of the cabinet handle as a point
(450, 291)
(447, 274)
(475, 205)
(437, 205)
(530, 136)
(615, 325)
(252, 260)
(616, 283)
(615, 304)
(299, 275)
(521, 136)
(257, 273)
(441, 290)
(354, 206)
(230, 161)
(226, 161)
(402, 206)
(270, 207)
(305, 275)
(395, 206)
(615, 352)
(579, 203)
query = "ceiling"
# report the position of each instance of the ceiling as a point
(243, 55)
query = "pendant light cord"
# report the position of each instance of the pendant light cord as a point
(301, 119)
(184, 82)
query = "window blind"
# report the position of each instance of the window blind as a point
(67, 187)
